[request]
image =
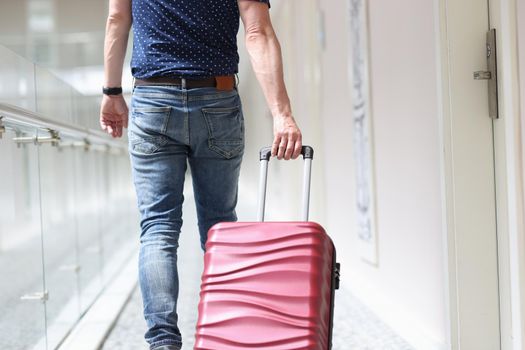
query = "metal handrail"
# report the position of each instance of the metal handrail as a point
(18, 117)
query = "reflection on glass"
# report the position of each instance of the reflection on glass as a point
(17, 80)
(22, 285)
(88, 211)
(55, 33)
(61, 266)
(59, 204)
(54, 96)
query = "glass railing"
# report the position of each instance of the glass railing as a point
(68, 217)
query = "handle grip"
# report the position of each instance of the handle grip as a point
(266, 153)
(264, 156)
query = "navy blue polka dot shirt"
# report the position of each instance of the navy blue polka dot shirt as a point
(185, 38)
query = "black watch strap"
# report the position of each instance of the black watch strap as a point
(112, 91)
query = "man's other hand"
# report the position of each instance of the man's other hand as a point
(113, 115)
(287, 141)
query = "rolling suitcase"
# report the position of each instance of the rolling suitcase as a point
(268, 285)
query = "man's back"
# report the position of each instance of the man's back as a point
(185, 38)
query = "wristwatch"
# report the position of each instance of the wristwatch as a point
(112, 91)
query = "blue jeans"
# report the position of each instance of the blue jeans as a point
(169, 128)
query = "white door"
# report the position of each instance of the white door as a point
(468, 163)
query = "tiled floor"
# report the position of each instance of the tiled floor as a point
(355, 327)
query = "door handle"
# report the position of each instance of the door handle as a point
(482, 75)
(37, 296)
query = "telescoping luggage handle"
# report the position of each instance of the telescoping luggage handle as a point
(265, 155)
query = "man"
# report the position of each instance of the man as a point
(185, 109)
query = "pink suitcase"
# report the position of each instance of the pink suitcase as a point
(268, 285)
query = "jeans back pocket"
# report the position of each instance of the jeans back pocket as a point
(152, 120)
(225, 130)
(148, 128)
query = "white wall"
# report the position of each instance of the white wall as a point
(410, 279)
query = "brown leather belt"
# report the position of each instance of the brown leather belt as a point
(226, 82)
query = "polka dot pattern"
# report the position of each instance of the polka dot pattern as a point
(185, 38)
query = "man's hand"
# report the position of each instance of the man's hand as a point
(287, 141)
(113, 115)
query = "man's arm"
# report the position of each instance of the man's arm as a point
(265, 55)
(114, 112)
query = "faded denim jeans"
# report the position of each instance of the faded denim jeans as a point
(169, 128)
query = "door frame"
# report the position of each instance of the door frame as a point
(510, 192)
(472, 261)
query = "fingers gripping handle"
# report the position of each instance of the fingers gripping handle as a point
(265, 155)
(306, 151)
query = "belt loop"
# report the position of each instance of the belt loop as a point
(183, 83)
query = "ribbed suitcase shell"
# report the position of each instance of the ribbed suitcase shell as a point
(266, 286)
